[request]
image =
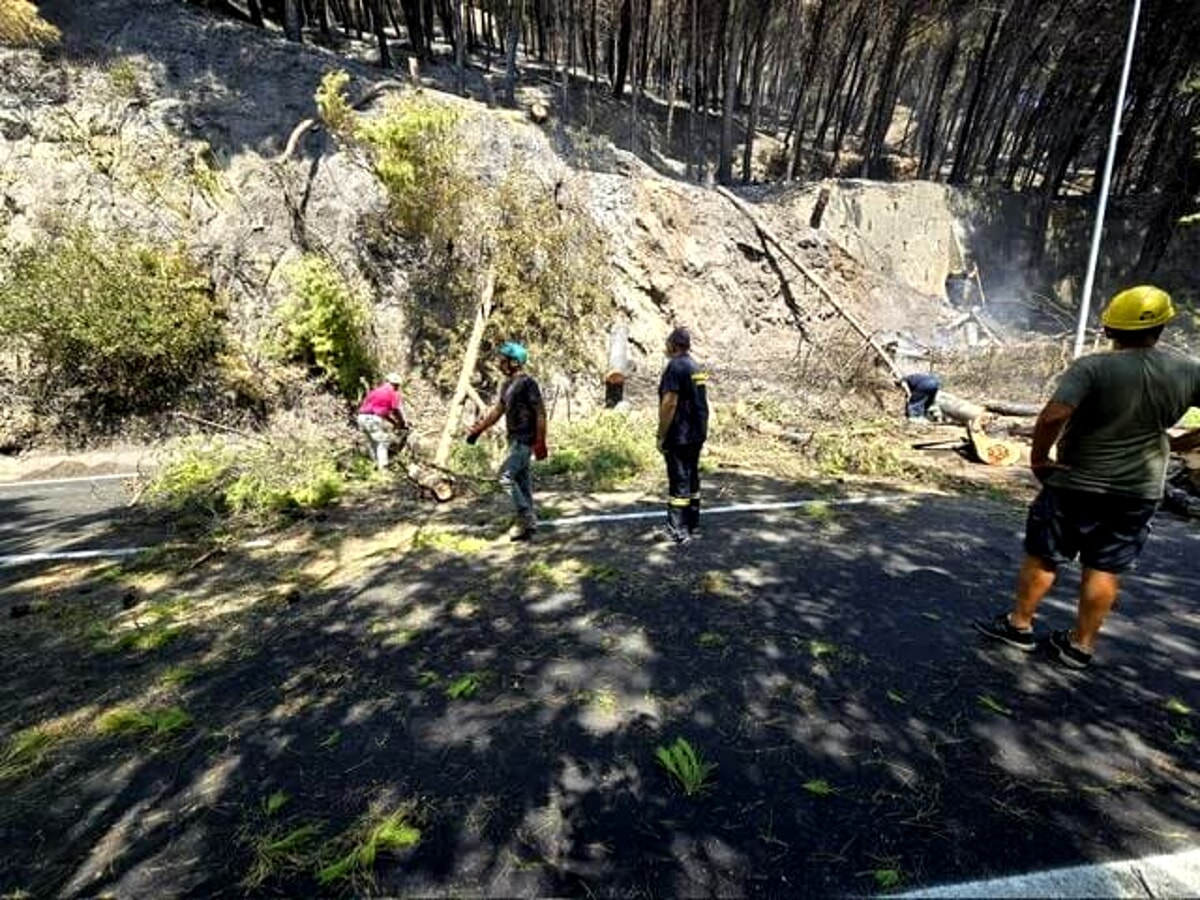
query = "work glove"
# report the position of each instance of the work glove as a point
(539, 449)
(472, 437)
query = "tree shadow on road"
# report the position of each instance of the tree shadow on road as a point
(511, 698)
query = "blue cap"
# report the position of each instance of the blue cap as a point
(514, 351)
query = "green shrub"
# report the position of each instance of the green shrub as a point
(415, 151)
(551, 272)
(476, 463)
(601, 451)
(127, 324)
(325, 324)
(123, 76)
(551, 268)
(255, 482)
(332, 106)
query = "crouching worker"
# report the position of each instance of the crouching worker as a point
(381, 418)
(525, 421)
(921, 389)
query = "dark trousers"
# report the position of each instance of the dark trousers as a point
(683, 485)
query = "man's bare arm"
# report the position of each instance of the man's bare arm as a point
(1049, 428)
(1186, 442)
(666, 415)
(490, 418)
(540, 426)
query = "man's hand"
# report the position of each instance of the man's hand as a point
(1186, 442)
(472, 436)
(539, 449)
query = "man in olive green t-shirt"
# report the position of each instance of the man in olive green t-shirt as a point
(1109, 418)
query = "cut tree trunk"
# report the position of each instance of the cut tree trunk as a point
(1012, 408)
(470, 358)
(436, 484)
(956, 409)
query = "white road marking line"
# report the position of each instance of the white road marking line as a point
(588, 519)
(24, 559)
(121, 552)
(52, 482)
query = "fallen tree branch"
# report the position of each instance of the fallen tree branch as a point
(294, 138)
(987, 329)
(770, 429)
(482, 313)
(766, 233)
(210, 424)
(314, 124)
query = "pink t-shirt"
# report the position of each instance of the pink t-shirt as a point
(382, 401)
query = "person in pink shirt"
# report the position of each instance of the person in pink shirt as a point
(381, 416)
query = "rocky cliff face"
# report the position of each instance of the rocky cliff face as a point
(164, 121)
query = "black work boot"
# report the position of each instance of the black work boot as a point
(677, 528)
(693, 517)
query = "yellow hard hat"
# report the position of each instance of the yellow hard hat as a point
(1138, 308)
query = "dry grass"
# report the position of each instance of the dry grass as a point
(21, 26)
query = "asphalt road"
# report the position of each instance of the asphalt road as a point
(820, 657)
(66, 516)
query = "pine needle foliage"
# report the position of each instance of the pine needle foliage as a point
(26, 751)
(414, 149)
(332, 105)
(360, 847)
(281, 851)
(148, 723)
(325, 324)
(21, 26)
(551, 270)
(253, 484)
(602, 451)
(550, 264)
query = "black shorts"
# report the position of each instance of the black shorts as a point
(1106, 531)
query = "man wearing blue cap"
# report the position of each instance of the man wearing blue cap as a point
(525, 421)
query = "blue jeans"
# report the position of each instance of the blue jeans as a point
(922, 392)
(517, 472)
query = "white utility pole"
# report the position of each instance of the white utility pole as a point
(1098, 229)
